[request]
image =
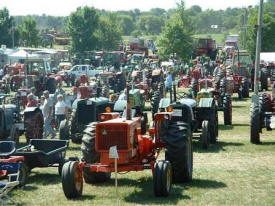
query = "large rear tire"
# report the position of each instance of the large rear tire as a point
(254, 124)
(245, 87)
(227, 110)
(64, 130)
(155, 103)
(179, 151)
(34, 125)
(264, 79)
(205, 134)
(74, 129)
(91, 156)
(71, 183)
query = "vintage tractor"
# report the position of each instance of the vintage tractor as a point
(241, 68)
(39, 76)
(136, 152)
(262, 115)
(12, 124)
(201, 114)
(85, 111)
(205, 47)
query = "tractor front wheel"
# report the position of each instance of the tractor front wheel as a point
(162, 178)
(72, 184)
(63, 130)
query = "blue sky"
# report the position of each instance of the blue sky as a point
(65, 7)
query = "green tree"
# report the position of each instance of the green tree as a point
(82, 25)
(109, 32)
(268, 38)
(150, 24)
(127, 24)
(175, 39)
(29, 34)
(5, 27)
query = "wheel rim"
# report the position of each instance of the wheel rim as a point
(169, 179)
(77, 183)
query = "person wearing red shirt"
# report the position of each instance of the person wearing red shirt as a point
(31, 101)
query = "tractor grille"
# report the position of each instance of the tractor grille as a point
(112, 135)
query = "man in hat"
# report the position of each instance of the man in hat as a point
(47, 111)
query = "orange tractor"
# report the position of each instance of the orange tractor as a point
(136, 151)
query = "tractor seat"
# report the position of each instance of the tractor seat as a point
(7, 148)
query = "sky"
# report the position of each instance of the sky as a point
(65, 7)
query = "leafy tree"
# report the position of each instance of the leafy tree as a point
(5, 27)
(175, 39)
(29, 34)
(268, 38)
(127, 24)
(150, 24)
(82, 25)
(158, 12)
(109, 32)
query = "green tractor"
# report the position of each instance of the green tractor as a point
(199, 116)
(85, 111)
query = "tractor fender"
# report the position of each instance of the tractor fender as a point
(31, 109)
(164, 103)
(206, 102)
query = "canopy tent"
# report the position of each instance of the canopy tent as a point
(21, 55)
(267, 57)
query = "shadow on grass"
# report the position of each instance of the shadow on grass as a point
(144, 193)
(238, 106)
(205, 184)
(29, 187)
(237, 99)
(267, 143)
(231, 127)
(215, 148)
(44, 178)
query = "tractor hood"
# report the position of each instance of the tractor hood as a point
(97, 101)
(165, 102)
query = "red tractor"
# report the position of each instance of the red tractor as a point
(136, 152)
(262, 115)
(206, 47)
(18, 76)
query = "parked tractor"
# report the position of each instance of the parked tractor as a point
(85, 111)
(201, 114)
(13, 125)
(262, 115)
(136, 151)
(206, 47)
(241, 68)
(39, 76)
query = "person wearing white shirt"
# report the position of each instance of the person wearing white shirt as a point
(61, 110)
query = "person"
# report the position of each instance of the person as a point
(123, 96)
(168, 81)
(216, 70)
(31, 101)
(47, 111)
(32, 92)
(61, 110)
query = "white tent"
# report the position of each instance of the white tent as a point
(267, 57)
(21, 55)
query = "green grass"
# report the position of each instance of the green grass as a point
(232, 172)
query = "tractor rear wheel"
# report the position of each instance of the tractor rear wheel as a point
(162, 178)
(254, 124)
(91, 156)
(227, 110)
(71, 183)
(179, 151)
(74, 128)
(245, 87)
(14, 134)
(34, 125)
(205, 134)
(155, 103)
(64, 130)
(264, 79)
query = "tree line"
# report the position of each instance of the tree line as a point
(91, 29)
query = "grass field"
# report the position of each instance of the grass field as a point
(232, 172)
